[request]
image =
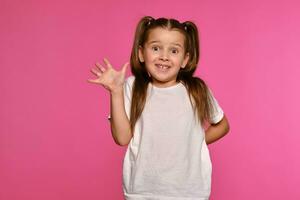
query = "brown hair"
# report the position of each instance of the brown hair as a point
(197, 89)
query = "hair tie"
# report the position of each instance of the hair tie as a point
(150, 21)
(185, 27)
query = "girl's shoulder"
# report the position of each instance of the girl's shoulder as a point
(129, 80)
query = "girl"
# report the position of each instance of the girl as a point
(160, 112)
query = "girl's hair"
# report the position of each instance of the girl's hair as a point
(198, 91)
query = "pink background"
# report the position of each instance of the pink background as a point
(55, 140)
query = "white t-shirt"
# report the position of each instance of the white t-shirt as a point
(167, 157)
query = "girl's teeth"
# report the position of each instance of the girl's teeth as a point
(163, 66)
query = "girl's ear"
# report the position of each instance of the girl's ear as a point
(186, 60)
(141, 56)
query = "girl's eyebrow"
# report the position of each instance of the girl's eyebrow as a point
(176, 44)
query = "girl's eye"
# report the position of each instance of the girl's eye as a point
(174, 51)
(155, 48)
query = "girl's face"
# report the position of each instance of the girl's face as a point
(164, 55)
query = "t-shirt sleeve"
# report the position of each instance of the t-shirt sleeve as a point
(217, 112)
(127, 89)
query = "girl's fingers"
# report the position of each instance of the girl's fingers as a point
(95, 82)
(91, 81)
(102, 69)
(107, 63)
(96, 72)
(125, 67)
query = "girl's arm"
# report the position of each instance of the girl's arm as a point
(120, 126)
(217, 131)
(113, 81)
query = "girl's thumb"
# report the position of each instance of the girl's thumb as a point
(124, 68)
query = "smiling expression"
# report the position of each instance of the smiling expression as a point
(164, 54)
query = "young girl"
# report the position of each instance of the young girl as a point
(160, 112)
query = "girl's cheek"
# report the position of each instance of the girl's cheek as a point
(154, 55)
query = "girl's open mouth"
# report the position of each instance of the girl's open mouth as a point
(162, 67)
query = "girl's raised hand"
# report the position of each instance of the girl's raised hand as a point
(108, 77)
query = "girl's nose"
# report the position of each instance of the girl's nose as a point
(164, 55)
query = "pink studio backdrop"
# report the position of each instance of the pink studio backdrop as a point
(55, 140)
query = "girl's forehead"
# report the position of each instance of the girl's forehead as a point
(164, 35)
